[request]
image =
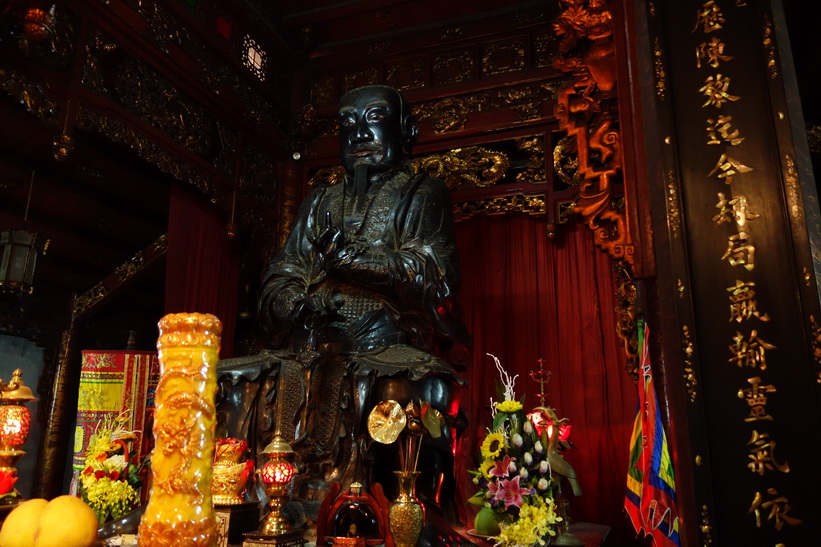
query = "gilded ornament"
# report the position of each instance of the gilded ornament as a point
(688, 349)
(386, 421)
(626, 310)
(658, 70)
(566, 162)
(673, 212)
(534, 171)
(531, 204)
(322, 90)
(452, 67)
(544, 51)
(814, 138)
(124, 271)
(31, 95)
(503, 57)
(452, 33)
(464, 168)
(357, 78)
(705, 527)
(147, 149)
(815, 340)
(769, 47)
(409, 74)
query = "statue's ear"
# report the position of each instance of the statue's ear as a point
(410, 131)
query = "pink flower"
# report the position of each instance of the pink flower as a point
(513, 493)
(502, 468)
(495, 491)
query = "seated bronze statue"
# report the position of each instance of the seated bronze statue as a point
(360, 306)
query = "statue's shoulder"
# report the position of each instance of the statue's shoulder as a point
(423, 184)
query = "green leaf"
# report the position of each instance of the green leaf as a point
(498, 421)
(477, 499)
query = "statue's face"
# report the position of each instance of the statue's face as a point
(370, 130)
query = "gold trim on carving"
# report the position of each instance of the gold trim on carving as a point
(689, 351)
(534, 171)
(490, 55)
(626, 309)
(146, 148)
(814, 138)
(658, 70)
(815, 330)
(465, 168)
(705, 527)
(28, 93)
(673, 212)
(566, 162)
(450, 114)
(769, 47)
(124, 272)
(532, 204)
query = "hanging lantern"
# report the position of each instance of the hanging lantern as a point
(20, 249)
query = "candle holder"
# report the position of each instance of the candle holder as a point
(15, 421)
(276, 474)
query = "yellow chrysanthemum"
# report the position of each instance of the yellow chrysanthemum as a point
(492, 445)
(509, 406)
(485, 468)
(535, 522)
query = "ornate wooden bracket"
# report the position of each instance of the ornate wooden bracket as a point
(585, 110)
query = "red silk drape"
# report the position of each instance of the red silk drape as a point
(525, 297)
(202, 267)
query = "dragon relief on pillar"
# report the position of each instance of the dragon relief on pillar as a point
(586, 109)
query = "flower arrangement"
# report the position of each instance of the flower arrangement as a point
(110, 480)
(516, 487)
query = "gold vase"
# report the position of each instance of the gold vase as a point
(406, 516)
(180, 510)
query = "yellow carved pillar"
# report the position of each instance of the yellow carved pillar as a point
(180, 511)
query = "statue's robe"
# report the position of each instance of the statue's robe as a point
(318, 389)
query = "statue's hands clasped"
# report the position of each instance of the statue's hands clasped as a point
(329, 242)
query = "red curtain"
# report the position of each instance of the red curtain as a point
(202, 271)
(526, 297)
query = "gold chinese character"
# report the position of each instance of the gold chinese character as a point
(712, 53)
(710, 17)
(750, 353)
(756, 398)
(743, 304)
(740, 252)
(715, 91)
(722, 128)
(779, 507)
(727, 168)
(725, 213)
